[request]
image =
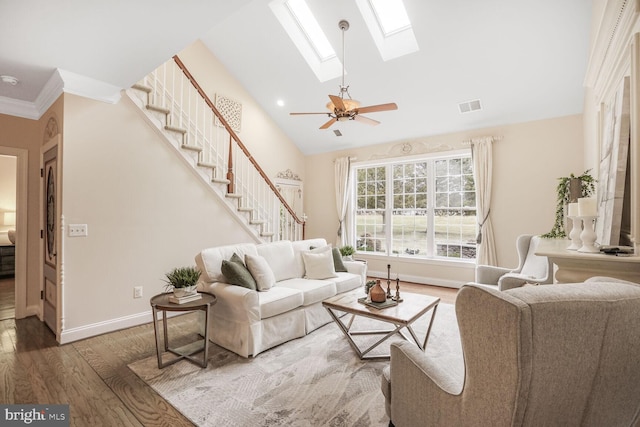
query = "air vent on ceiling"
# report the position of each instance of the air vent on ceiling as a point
(337, 132)
(469, 106)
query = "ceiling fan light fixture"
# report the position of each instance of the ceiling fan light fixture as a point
(349, 104)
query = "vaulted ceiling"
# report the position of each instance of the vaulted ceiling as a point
(524, 60)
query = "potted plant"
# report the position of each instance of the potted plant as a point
(182, 281)
(570, 187)
(368, 286)
(347, 252)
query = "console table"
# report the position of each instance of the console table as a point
(573, 266)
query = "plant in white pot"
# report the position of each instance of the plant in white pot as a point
(347, 252)
(182, 281)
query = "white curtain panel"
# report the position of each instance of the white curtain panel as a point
(342, 170)
(481, 150)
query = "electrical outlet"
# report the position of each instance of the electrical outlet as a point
(78, 230)
(137, 292)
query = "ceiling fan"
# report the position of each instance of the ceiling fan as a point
(343, 109)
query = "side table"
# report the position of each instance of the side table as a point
(161, 303)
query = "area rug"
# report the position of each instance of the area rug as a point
(316, 380)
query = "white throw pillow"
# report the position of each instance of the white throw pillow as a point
(318, 265)
(261, 272)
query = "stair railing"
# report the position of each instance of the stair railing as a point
(207, 132)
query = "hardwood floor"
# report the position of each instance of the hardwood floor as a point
(92, 375)
(7, 299)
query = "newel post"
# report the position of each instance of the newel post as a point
(230, 178)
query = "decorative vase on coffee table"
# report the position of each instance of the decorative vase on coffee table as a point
(377, 293)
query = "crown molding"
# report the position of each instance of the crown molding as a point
(18, 108)
(60, 82)
(610, 54)
(87, 87)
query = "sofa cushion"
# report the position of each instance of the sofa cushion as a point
(347, 281)
(261, 272)
(313, 291)
(338, 264)
(337, 261)
(278, 300)
(236, 273)
(209, 261)
(318, 265)
(280, 257)
(300, 246)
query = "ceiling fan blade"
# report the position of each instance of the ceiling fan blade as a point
(337, 102)
(300, 114)
(366, 120)
(376, 108)
(329, 123)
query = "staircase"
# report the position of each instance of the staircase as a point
(176, 106)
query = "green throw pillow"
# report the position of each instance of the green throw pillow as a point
(236, 273)
(337, 260)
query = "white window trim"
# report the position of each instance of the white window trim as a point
(431, 258)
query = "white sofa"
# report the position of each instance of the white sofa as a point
(247, 321)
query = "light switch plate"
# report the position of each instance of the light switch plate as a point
(78, 230)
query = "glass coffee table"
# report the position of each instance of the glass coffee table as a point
(400, 316)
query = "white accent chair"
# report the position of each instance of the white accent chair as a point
(532, 268)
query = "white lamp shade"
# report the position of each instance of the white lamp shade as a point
(9, 218)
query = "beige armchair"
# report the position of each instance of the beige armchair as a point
(531, 268)
(562, 355)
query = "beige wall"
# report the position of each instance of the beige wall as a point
(146, 213)
(526, 164)
(271, 147)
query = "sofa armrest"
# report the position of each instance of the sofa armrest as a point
(515, 280)
(489, 274)
(357, 267)
(233, 302)
(423, 391)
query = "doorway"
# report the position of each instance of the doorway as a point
(8, 178)
(13, 221)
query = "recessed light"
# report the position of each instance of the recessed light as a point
(280, 103)
(9, 80)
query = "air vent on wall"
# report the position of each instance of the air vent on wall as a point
(469, 106)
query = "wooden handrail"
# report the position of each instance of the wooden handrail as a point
(235, 137)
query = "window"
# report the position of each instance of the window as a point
(391, 16)
(389, 26)
(305, 32)
(423, 208)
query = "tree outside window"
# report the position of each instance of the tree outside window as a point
(423, 209)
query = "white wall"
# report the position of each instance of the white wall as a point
(527, 164)
(145, 210)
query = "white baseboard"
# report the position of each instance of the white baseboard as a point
(87, 331)
(94, 329)
(456, 284)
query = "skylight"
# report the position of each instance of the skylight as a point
(391, 16)
(303, 29)
(390, 28)
(311, 29)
